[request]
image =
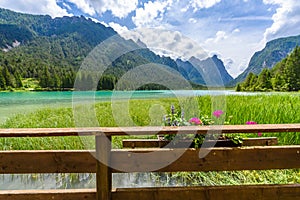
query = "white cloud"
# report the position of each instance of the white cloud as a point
(236, 30)
(286, 20)
(234, 48)
(49, 7)
(67, 6)
(117, 27)
(220, 35)
(192, 20)
(84, 6)
(228, 63)
(165, 42)
(199, 4)
(118, 8)
(151, 14)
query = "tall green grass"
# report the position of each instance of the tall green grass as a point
(264, 109)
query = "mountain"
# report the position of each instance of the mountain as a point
(205, 72)
(49, 51)
(274, 51)
(284, 76)
(215, 71)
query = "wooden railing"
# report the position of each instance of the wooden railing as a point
(129, 160)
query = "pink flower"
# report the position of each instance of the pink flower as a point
(218, 113)
(195, 121)
(259, 134)
(250, 122)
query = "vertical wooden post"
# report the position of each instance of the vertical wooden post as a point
(103, 174)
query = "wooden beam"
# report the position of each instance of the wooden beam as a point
(139, 160)
(262, 141)
(104, 173)
(78, 194)
(155, 143)
(218, 159)
(118, 131)
(258, 192)
(243, 192)
(19, 162)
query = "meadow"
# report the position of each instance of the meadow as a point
(263, 109)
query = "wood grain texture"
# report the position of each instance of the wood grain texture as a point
(18, 162)
(139, 160)
(118, 131)
(244, 192)
(217, 159)
(259, 192)
(103, 173)
(154, 143)
(78, 194)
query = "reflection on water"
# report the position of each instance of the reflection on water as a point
(46, 181)
(79, 181)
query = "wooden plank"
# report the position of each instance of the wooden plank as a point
(78, 194)
(45, 132)
(154, 143)
(263, 141)
(118, 131)
(144, 143)
(246, 192)
(104, 173)
(47, 162)
(218, 159)
(139, 160)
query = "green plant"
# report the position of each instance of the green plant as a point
(176, 118)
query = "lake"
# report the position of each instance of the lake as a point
(12, 103)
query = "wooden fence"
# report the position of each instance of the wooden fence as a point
(129, 160)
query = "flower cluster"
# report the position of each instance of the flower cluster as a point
(195, 121)
(218, 113)
(176, 118)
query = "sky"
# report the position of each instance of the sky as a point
(232, 29)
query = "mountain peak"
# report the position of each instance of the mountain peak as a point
(208, 71)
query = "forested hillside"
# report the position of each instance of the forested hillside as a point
(285, 76)
(274, 52)
(50, 51)
(43, 53)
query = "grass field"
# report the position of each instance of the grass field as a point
(263, 109)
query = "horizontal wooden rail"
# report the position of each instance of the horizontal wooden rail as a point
(244, 192)
(218, 159)
(155, 143)
(140, 160)
(119, 131)
(24, 162)
(258, 192)
(76, 194)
